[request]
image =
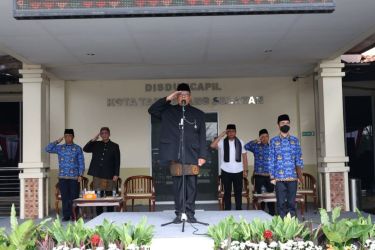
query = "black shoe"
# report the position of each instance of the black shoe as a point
(177, 220)
(192, 219)
(66, 219)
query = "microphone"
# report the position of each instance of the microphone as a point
(183, 102)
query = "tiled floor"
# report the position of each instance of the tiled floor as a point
(310, 215)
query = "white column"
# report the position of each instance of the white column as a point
(34, 165)
(331, 149)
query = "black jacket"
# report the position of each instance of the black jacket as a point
(105, 161)
(194, 130)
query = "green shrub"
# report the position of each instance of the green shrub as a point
(288, 228)
(341, 233)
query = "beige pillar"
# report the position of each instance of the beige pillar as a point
(34, 165)
(332, 170)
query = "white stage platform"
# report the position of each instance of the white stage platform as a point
(171, 237)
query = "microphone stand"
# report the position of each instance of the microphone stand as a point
(182, 154)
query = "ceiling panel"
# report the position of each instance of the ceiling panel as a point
(171, 41)
(99, 27)
(170, 47)
(42, 49)
(117, 72)
(244, 47)
(106, 49)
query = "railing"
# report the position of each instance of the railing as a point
(9, 190)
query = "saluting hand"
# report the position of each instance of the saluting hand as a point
(173, 96)
(59, 140)
(96, 137)
(222, 134)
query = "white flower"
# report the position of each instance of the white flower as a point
(235, 243)
(273, 244)
(224, 243)
(309, 243)
(112, 247)
(262, 245)
(132, 247)
(234, 247)
(289, 243)
(100, 248)
(300, 244)
(284, 246)
(242, 245)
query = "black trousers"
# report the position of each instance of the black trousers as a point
(286, 192)
(265, 181)
(235, 179)
(69, 190)
(191, 182)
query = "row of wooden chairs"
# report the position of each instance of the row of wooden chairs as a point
(142, 187)
(306, 189)
(135, 187)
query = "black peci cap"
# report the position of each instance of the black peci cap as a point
(231, 126)
(283, 117)
(263, 131)
(69, 131)
(105, 129)
(183, 87)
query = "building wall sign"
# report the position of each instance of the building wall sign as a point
(199, 87)
(217, 100)
(194, 86)
(196, 100)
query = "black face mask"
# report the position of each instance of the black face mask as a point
(285, 128)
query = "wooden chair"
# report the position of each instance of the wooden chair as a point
(83, 185)
(271, 197)
(308, 188)
(245, 192)
(118, 186)
(139, 187)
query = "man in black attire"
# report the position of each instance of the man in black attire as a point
(105, 163)
(195, 150)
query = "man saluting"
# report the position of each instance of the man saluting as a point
(195, 150)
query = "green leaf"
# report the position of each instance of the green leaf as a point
(324, 218)
(13, 218)
(336, 214)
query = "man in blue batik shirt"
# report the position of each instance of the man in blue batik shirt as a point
(285, 167)
(71, 168)
(261, 175)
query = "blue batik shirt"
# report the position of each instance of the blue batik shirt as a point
(286, 155)
(71, 160)
(261, 157)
